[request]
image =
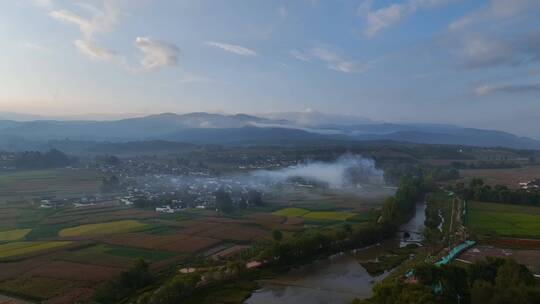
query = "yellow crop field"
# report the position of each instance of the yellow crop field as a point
(103, 228)
(329, 215)
(13, 235)
(23, 248)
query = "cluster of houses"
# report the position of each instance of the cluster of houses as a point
(530, 185)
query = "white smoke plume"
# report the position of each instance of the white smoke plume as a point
(348, 171)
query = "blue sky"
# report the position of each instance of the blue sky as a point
(472, 63)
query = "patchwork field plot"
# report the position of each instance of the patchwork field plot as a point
(503, 220)
(315, 215)
(61, 182)
(13, 235)
(103, 228)
(176, 243)
(37, 287)
(509, 177)
(291, 212)
(24, 248)
(235, 232)
(329, 215)
(74, 271)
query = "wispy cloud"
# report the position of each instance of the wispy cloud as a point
(506, 88)
(157, 54)
(34, 46)
(384, 17)
(232, 48)
(332, 59)
(474, 43)
(300, 55)
(101, 21)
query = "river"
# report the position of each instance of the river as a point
(338, 279)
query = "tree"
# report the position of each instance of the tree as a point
(224, 201)
(128, 282)
(255, 198)
(277, 235)
(347, 228)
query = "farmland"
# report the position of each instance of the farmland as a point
(508, 177)
(103, 228)
(503, 220)
(26, 248)
(316, 215)
(13, 235)
(61, 182)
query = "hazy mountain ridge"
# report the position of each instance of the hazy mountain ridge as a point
(207, 128)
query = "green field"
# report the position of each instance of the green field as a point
(103, 228)
(504, 220)
(315, 215)
(13, 235)
(329, 215)
(24, 248)
(291, 212)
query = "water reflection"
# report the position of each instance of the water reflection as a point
(338, 279)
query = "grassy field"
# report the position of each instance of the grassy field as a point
(13, 235)
(315, 215)
(24, 248)
(61, 182)
(329, 215)
(504, 220)
(103, 228)
(291, 212)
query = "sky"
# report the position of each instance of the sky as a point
(473, 63)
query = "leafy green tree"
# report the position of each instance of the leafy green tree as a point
(277, 235)
(224, 201)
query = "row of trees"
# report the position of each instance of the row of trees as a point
(41, 160)
(479, 191)
(490, 281)
(393, 172)
(225, 203)
(399, 207)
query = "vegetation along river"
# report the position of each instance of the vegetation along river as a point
(338, 279)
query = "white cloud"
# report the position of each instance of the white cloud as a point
(379, 19)
(299, 55)
(506, 88)
(332, 59)
(34, 46)
(497, 10)
(232, 48)
(474, 42)
(157, 54)
(94, 51)
(100, 21)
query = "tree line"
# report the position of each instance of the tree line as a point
(41, 160)
(477, 190)
(489, 281)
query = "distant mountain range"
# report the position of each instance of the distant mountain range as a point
(289, 128)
